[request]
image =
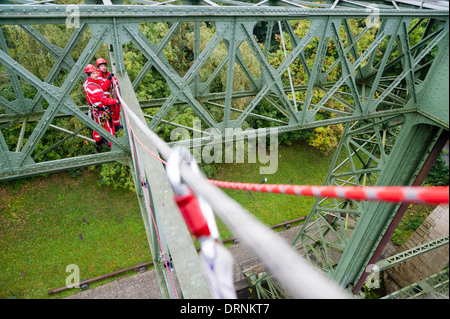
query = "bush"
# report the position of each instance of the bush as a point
(408, 225)
(326, 138)
(439, 174)
(117, 175)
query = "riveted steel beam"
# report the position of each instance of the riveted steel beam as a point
(433, 287)
(411, 253)
(13, 172)
(57, 14)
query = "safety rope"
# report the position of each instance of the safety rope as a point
(150, 152)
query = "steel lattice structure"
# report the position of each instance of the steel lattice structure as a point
(390, 93)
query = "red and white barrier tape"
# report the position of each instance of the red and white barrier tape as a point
(397, 194)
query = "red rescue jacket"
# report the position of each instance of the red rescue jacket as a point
(96, 97)
(106, 83)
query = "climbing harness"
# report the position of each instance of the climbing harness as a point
(199, 217)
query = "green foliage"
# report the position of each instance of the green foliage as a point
(289, 137)
(326, 138)
(375, 293)
(117, 175)
(439, 173)
(179, 55)
(153, 85)
(209, 170)
(22, 46)
(412, 220)
(75, 172)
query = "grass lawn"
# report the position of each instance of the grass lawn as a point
(298, 164)
(413, 218)
(48, 223)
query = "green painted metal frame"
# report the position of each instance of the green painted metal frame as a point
(325, 25)
(372, 104)
(411, 253)
(340, 236)
(433, 287)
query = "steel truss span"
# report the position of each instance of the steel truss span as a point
(377, 68)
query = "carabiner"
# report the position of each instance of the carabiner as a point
(178, 155)
(196, 211)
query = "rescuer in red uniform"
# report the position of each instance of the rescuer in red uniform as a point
(99, 104)
(107, 81)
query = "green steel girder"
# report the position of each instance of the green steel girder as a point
(340, 236)
(57, 165)
(387, 92)
(179, 86)
(59, 102)
(433, 287)
(411, 253)
(56, 14)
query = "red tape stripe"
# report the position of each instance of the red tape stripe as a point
(397, 194)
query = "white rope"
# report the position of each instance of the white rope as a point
(294, 273)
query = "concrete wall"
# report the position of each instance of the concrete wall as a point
(418, 268)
